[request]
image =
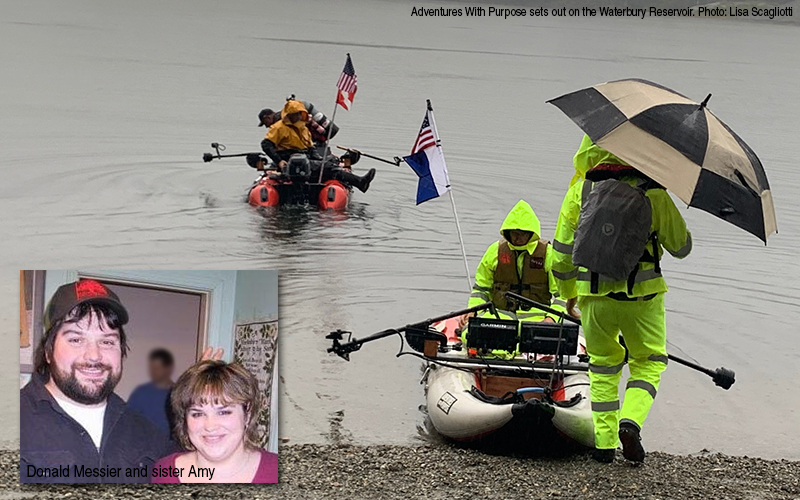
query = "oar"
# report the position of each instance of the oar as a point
(207, 157)
(352, 345)
(394, 161)
(723, 377)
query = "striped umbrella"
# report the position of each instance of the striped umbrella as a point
(681, 145)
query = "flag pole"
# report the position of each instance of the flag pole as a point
(327, 139)
(453, 202)
(461, 240)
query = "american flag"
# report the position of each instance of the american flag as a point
(425, 139)
(346, 85)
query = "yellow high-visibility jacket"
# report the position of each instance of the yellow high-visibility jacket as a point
(520, 217)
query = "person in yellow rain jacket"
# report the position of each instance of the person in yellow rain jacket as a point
(519, 262)
(632, 307)
(290, 135)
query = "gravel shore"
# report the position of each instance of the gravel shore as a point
(446, 472)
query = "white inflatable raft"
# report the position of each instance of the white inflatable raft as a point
(470, 400)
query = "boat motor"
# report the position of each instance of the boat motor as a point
(298, 168)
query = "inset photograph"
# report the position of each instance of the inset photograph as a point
(148, 376)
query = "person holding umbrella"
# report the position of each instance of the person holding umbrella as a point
(594, 220)
(673, 142)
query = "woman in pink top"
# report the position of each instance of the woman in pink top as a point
(216, 405)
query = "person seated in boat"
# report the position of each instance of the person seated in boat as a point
(288, 136)
(317, 123)
(216, 407)
(519, 262)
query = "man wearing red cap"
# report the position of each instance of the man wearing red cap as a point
(73, 428)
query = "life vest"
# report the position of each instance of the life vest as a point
(533, 284)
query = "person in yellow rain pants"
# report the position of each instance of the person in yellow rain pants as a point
(632, 306)
(519, 262)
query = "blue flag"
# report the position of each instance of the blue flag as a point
(427, 161)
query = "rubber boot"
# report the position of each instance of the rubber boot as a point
(365, 181)
(632, 448)
(362, 183)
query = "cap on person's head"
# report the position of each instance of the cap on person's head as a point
(68, 296)
(253, 159)
(262, 114)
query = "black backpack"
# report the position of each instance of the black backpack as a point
(613, 231)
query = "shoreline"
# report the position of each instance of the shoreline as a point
(449, 472)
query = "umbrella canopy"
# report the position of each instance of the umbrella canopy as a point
(680, 144)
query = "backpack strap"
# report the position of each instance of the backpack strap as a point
(587, 188)
(656, 259)
(594, 278)
(645, 258)
(632, 279)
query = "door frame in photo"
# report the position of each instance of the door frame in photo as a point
(216, 288)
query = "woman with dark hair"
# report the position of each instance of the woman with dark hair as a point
(216, 405)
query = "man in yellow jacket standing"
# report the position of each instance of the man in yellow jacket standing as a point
(633, 306)
(520, 262)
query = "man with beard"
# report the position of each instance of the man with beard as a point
(71, 420)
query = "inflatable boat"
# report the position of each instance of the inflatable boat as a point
(529, 400)
(297, 184)
(506, 382)
(273, 189)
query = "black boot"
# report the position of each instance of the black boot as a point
(348, 177)
(605, 456)
(363, 184)
(632, 448)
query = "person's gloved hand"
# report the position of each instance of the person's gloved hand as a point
(352, 156)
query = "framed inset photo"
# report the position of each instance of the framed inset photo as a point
(183, 360)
